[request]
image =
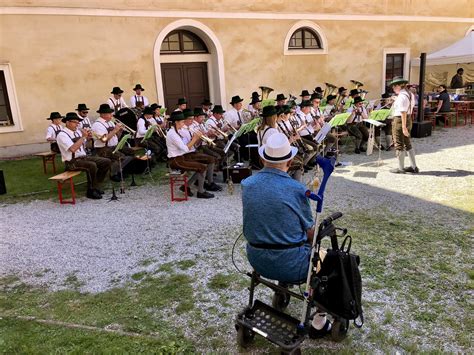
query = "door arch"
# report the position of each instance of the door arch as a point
(215, 58)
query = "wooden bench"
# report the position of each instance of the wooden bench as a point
(61, 179)
(48, 157)
(178, 178)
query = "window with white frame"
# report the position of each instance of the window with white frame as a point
(305, 38)
(9, 111)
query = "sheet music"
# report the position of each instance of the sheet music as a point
(229, 143)
(374, 122)
(323, 132)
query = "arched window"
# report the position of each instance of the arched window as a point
(304, 38)
(182, 42)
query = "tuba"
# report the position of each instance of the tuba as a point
(356, 84)
(329, 90)
(265, 91)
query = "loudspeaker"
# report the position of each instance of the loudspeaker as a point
(421, 129)
(237, 173)
(3, 187)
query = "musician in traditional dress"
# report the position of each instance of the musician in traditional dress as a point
(206, 105)
(144, 123)
(116, 101)
(330, 108)
(342, 93)
(356, 126)
(305, 127)
(281, 100)
(53, 129)
(106, 137)
(205, 147)
(305, 96)
(234, 117)
(71, 142)
(181, 155)
(182, 104)
(349, 102)
(138, 97)
(83, 113)
(277, 221)
(401, 126)
(319, 121)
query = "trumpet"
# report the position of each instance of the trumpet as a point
(232, 128)
(203, 137)
(102, 138)
(125, 127)
(160, 131)
(220, 132)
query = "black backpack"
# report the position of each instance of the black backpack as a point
(337, 287)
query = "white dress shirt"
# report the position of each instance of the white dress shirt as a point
(135, 98)
(264, 134)
(305, 119)
(357, 118)
(65, 141)
(234, 117)
(100, 128)
(52, 130)
(403, 103)
(112, 101)
(175, 144)
(141, 126)
(328, 109)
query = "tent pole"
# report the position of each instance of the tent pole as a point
(421, 86)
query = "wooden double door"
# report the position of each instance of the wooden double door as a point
(187, 80)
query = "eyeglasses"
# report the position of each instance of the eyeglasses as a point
(85, 112)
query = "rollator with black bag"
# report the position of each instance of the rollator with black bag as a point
(332, 285)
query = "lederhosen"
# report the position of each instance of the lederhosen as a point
(71, 164)
(358, 129)
(54, 146)
(400, 141)
(191, 161)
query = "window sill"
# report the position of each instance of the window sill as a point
(10, 129)
(305, 51)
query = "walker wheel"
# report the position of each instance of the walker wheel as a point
(280, 301)
(339, 329)
(296, 351)
(244, 336)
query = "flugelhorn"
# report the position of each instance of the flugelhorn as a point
(102, 138)
(203, 137)
(265, 91)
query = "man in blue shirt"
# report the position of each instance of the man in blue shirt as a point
(278, 223)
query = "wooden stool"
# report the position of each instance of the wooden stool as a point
(48, 157)
(60, 179)
(178, 178)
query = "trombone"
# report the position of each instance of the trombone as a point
(125, 127)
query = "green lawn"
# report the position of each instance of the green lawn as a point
(26, 181)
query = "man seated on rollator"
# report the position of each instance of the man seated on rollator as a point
(278, 223)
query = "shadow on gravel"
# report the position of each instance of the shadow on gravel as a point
(449, 173)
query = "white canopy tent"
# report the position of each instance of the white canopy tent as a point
(459, 52)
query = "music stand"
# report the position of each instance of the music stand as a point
(375, 120)
(146, 137)
(335, 122)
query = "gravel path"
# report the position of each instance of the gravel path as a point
(104, 240)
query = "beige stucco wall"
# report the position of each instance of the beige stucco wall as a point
(59, 61)
(455, 8)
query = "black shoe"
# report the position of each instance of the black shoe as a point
(397, 171)
(362, 149)
(382, 147)
(357, 151)
(411, 170)
(100, 191)
(317, 334)
(212, 187)
(93, 194)
(189, 192)
(204, 194)
(115, 178)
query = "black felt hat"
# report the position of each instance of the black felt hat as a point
(280, 97)
(385, 95)
(255, 100)
(148, 110)
(176, 116)
(187, 112)
(316, 95)
(82, 107)
(305, 93)
(71, 116)
(306, 103)
(268, 111)
(218, 109)
(206, 102)
(199, 112)
(138, 87)
(318, 89)
(341, 89)
(255, 94)
(54, 115)
(286, 109)
(236, 100)
(354, 92)
(330, 97)
(116, 90)
(155, 106)
(104, 108)
(358, 99)
(182, 101)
